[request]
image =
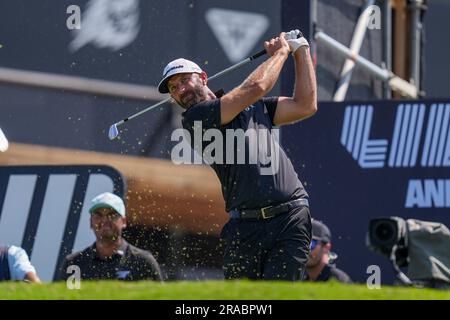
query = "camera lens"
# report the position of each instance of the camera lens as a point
(385, 232)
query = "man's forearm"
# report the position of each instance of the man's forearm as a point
(266, 75)
(305, 89)
(32, 277)
(258, 83)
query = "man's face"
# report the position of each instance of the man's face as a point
(318, 250)
(107, 224)
(187, 89)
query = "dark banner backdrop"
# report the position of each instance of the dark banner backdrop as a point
(131, 41)
(361, 160)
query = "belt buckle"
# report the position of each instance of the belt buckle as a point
(263, 212)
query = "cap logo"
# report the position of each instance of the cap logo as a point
(174, 67)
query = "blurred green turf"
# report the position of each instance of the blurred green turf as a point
(211, 290)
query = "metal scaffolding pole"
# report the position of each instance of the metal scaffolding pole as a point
(416, 32)
(387, 47)
(396, 83)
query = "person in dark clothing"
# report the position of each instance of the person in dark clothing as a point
(269, 230)
(319, 266)
(111, 257)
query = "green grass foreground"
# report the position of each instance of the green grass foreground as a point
(212, 290)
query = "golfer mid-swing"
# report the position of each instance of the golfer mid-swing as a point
(269, 230)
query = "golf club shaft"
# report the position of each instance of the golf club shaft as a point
(237, 65)
(143, 111)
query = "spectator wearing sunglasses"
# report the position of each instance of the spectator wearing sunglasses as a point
(320, 265)
(111, 257)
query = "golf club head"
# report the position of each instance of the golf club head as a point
(113, 132)
(3, 142)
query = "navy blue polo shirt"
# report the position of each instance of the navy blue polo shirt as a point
(267, 176)
(331, 272)
(128, 263)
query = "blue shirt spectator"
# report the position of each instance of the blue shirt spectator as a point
(15, 265)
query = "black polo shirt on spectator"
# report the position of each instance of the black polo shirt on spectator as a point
(331, 272)
(243, 185)
(128, 263)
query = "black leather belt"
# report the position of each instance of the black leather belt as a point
(268, 212)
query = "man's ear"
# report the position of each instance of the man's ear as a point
(327, 246)
(204, 78)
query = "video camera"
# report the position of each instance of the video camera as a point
(421, 246)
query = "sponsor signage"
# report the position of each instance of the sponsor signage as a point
(44, 209)
(361, 160)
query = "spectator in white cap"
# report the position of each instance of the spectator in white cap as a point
(111, 257)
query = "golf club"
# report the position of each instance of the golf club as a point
(114, 129)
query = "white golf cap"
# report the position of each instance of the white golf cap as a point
(174, 67)
(108, 200)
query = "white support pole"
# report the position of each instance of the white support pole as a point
(355, 47)
(79, 84)
(396, 83)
